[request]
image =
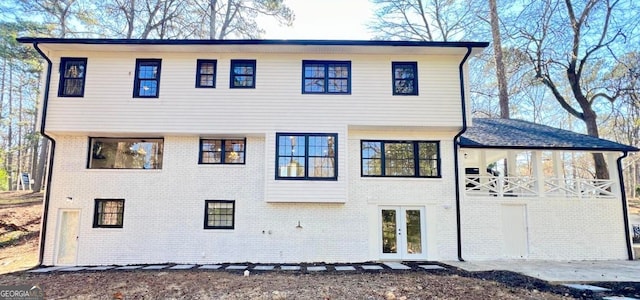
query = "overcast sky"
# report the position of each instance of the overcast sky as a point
(324, 19)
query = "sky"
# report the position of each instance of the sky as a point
(323, 19)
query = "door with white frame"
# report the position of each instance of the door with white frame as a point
(68, 227)
(402, 233)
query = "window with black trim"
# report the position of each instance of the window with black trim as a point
(206, 73)
(326, 77)
(306, 156)
(243, 74)
(108, 213)
(147, 80)
(400, 158)
(72, 76)
(222, 151)
(125, 153)
(219, 214)
(405, 78)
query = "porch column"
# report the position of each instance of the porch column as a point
(558, 175)
(538, 174)
(482, 168)
(612, 167)
(511, 163)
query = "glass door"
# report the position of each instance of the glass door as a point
(402, 233)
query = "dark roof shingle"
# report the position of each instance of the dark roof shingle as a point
(518, 134)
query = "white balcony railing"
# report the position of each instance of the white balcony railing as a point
(479, 186)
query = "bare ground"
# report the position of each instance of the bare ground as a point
(19, 210)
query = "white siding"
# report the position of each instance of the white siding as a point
(276, 102)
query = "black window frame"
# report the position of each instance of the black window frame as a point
(222, 151)
(411, 64)
(97, 216)
(199, 73)
(206, 214)
(326, 78)
(306, 156)
(232, 75)
(64, 79)
(92, 153)
(136, 80)
(417, 160)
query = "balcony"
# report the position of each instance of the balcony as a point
(503, 186)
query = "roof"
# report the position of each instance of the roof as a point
(252, 42)
(280, 46)
(519, 134)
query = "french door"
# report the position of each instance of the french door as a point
(402, 233)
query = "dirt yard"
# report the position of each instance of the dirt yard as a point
(20, 216)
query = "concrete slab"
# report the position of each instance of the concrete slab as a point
(128, 268)
(210, 267)
(264, 268)
(561, 271)
(290, 268)
(372, 267)
(45, 270)
(432, 267)
(100, 268)
(72, 269)
(235, 267)
(345, 268)
(586, 287)
(182, 267)
(397, 266)
(155, 267)
(316, 268)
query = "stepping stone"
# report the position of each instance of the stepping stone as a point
(45, 270)
(155, 267)
(73, 269)
(372, 267)
(182, 267)
(618, 298)
(236, 267)
(290, 268)
(263, 268)
(397, 266)
(316, 269)
(128, 267)
(586, 287)
(210, 267)
(432, 267)
(345, 268)
(100, 268)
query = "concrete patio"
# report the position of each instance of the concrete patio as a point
(561, 271)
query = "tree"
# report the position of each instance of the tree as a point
(423, 20)
(564, 43)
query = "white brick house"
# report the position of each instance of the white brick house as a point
(270, 151)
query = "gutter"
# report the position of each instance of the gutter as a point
(52, 151)
(456, 146)
(625, 212)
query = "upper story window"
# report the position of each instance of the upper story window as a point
(125, 153)
(405, 78)
(243, 74)
(222, 151)
(147, 81)
(306, 156)
(72, 75)
(400, 158)
(326, 77)
(108, 213)
(206, 73)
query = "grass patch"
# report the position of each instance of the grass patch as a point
(19, 197)
(14, 237)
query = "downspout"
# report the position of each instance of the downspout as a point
(52, 151)
(625, 213)
(456, 145)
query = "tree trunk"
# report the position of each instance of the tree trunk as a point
(212, 19)
(503, 95)
(42, 165)
(590, 119)
(9, 161)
